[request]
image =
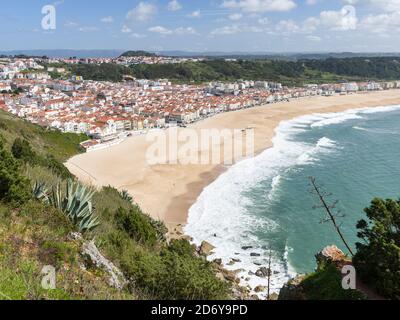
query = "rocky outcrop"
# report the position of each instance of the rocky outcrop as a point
(293, 290)
(93, 257)
(206, 248)
(331, 254)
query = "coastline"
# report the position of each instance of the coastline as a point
(178, 187)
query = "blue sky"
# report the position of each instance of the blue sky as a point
(205, 25)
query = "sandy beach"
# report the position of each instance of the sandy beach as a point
(167, 191)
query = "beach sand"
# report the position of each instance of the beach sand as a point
(167, 191)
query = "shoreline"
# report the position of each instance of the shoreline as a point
(178, 186)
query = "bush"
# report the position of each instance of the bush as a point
(21, 149)
(14, 188)
(326, 284)
(171, 275)
(56, 166)
(378, 259)
(137, 225)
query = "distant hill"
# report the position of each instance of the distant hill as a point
(99, 53)
(139, 53)
(65, 53)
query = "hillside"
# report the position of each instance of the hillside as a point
(139, 53)
(299, 72)
(128, 258)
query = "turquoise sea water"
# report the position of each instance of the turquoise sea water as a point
(265, 202)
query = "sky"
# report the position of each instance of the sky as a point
(203, 25)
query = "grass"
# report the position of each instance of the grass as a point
(326, 284)
(34, 235)
(43, 141)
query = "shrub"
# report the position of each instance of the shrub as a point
(56, 166)
(14, 188)
(21, 149)
(170, 275)
(378, 259)
(137, 225)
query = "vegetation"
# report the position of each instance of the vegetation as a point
(378, 258)
(295, 72)
(138, 53)
(76, 204)
(14, 188)
(36, 224)
(326, 284)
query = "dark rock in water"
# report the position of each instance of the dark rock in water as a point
(276, 272)
(218, 261)
(263, 272)
(251, 273)
(257, 263)
(259, 289)
(255, 254)
(247, 247)
(236, 260)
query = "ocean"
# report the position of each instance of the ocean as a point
(265, 204)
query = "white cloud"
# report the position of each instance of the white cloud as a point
(88, 29)
(382, 23)
(137, 35)
(345, 19)
(179, 31)
(235, 16)
(386, 5)
(195, 14)
(314, 38)
(287, 27)
(260, 5)
(174, 5)
(108, 19)
(71, 24)
(237, 28)
(160, 30)
(126, 29)
(187, 30)
(143, 12)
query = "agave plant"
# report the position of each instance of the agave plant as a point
(76, 204)
(40, 192)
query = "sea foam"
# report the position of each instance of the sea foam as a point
(221, 216)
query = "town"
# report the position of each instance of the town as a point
(109, 112)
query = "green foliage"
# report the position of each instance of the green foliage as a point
(326, 284)
(40, 192)
(374, 67)
(378, 258)
(138, 53)
(56, 166)
(102, 72)
(137, 225)
(126, 196)
(21, 149)
(172, 275)
(76, 204)
(14, 188)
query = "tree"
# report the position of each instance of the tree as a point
(14, 188)
(329, 208)
(378, 258)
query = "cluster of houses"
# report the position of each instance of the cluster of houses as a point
(109, 111)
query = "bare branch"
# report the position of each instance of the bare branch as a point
(322, 195)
